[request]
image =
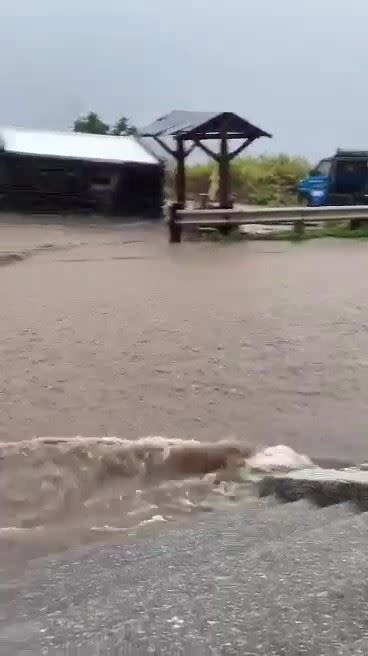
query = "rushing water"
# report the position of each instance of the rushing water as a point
(62, 491)
(112, 332)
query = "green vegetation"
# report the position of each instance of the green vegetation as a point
(256, 180)
(342, 231)
(336, 231)
(92, 124)
(268, 180)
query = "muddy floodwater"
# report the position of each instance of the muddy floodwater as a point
(110, 331)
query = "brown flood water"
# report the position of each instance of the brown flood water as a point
(109, 331)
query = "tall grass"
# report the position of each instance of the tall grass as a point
(257, 180)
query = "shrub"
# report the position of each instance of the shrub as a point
(257, 180)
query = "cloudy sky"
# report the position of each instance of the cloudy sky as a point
(297, 68)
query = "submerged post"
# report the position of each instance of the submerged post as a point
(174, 226)
(224, 174)
(299, 228)
(180, 172)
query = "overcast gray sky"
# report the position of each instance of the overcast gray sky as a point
(297, 68)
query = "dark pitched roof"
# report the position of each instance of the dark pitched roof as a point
(355, 154)
(202, 125)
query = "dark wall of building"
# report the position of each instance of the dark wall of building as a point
(29, 183)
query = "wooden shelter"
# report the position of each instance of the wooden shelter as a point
(190, 130)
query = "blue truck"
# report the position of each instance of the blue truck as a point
(338, 180)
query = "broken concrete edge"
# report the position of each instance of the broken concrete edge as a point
(323, 487)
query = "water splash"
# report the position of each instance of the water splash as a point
(80, 489)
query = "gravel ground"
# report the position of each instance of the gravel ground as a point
(287, 579)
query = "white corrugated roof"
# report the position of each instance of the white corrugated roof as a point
(76, 145)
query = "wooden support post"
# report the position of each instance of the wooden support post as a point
(180, 173)
(174, 227)
(224, 175)
(203, 201)
(299, 228)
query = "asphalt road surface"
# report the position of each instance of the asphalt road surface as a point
(265, 579)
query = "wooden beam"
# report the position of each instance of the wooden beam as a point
(207, 150)
(237, 151)
(172, 151)
(212, 136)
(167, 148)
(190, 149)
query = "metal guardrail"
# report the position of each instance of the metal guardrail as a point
(260, 214)
(226, 219)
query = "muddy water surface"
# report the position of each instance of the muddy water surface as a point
(110, 332)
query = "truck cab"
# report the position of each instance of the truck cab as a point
(338, 180)
(314, 189)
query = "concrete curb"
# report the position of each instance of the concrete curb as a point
(324, 487)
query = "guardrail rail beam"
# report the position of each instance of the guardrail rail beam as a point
(225, 219)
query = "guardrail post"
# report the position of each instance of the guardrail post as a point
(355, 224)
(299, 228)
(174, 227)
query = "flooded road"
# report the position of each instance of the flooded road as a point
(112, 332)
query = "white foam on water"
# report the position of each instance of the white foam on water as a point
(70, 488)
(280, 457)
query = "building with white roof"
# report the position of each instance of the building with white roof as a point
(76, 171)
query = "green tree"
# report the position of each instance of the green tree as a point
(122, 126)
(91, 123)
